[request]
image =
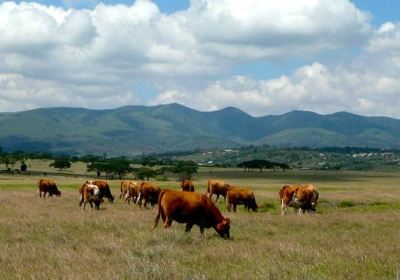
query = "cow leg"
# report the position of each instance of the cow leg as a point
(202, 230)
(229, 207)
(300, 211)
(188, 227)
(44, 195)
(217, 198)
(168, 222)
(234, 207)
(283, 207)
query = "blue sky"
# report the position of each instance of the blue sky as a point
(262, 56)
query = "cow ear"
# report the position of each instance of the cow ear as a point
(226, 221)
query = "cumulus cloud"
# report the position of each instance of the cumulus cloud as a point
(360, 88)
(52, 56)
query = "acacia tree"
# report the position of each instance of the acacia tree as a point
(61, 163)
(185, 169)
(119, 167)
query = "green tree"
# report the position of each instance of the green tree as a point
(185, 169)
(61, 163)
(145, 173)
(118, 166)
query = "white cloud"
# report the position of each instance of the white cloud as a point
(51, 56)
(359, 88)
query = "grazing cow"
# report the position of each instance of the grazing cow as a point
(187, 185)
(87, 190)
(47, 186)
(96, 200)
(132, 192)
(241, 196)
(149, 191)
(301, 197)
(193, 209)
(217, 187)
(105, 191)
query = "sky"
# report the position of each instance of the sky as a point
(261, 56)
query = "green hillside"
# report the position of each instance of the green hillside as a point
(135, 130)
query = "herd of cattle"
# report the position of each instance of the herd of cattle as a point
(187, 206)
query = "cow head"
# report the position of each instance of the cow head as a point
(254, 206)
(223, 228)
(58, 193)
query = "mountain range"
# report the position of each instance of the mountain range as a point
(134, 130)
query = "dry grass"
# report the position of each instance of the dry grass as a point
(54, 239)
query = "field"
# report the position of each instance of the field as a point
(355, 233)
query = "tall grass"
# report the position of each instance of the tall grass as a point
(54, 239)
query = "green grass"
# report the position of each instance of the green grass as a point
(353, 235)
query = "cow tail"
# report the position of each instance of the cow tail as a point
(159, 209)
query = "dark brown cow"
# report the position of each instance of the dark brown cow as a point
(104, 189)
(187, 185)
(193, 209)
(149, 191)
(218, 188)
(244, 196)
(96, 200)
(301, 197)
(47, 186)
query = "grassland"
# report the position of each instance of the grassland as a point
(354, 235)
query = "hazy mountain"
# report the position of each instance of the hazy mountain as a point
(140, 129)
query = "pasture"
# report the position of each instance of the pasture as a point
(355, 233)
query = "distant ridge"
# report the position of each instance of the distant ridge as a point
(133, 130)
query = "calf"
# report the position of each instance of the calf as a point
(87, 190)
(96, 200)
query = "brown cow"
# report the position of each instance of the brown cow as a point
(104, 189)
(124, 188)
(301, 197)
(193, 209)
(187, 185)
(149, 191)
(47, 186)
(217, 187)
(87, 191)
(132, 192)
(244, 196)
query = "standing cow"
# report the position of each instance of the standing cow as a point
(132, 192)
(244, 196)
(218, 188)
(47, 186)
(89, 193)
(301, 197)
(149, 192)
(193, 209)
(187, 185)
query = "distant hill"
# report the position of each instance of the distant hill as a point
(135, 130)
